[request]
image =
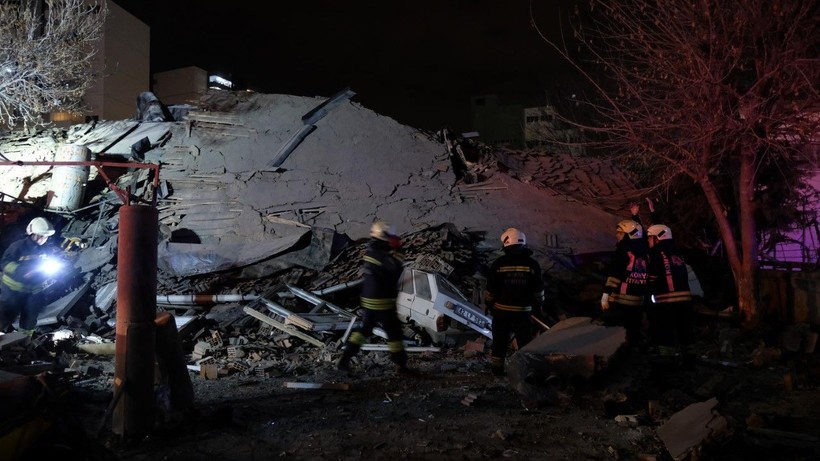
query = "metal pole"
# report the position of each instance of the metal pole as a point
(136, 311)
(194, 299)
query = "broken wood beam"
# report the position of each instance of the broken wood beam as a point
(281, 326)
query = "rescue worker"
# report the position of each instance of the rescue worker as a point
(382, 268)
(514, 286)
(624, 293)
(672, 319)
(26, 276)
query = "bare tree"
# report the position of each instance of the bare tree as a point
(720, 92)
(46, 51)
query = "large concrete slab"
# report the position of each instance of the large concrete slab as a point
(573, 348)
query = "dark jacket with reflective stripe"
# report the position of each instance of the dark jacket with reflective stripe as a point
(626, 276)
(21, 258)
(382, 271)
(668, 276)
(514, 282)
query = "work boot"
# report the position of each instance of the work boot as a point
(344, 361)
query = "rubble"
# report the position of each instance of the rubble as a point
(264, 208)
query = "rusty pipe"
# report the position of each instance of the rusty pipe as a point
(135, 348)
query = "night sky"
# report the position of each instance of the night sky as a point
(418, 61)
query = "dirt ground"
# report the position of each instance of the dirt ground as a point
(455, 409)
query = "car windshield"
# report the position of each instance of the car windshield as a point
(449, 289)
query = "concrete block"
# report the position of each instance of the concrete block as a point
(690, 427)
(572, 348)
(209, 371)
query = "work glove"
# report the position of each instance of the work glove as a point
(605, 301)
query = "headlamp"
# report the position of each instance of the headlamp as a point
(50, 266)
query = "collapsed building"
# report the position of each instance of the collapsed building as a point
(250, 185)
(267, 199)
(264, 203)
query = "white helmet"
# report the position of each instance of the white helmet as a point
(513, 236)
(660, 231)
(630, 228)
(382, 231)
(40, 226)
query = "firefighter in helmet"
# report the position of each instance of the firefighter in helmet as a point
(672, 319)
(29, 266)
(515, 289)
(382, 267)
(624, 294)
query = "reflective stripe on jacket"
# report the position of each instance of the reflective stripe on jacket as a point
(627, 273)
(514, 282)
(382, 270)
(668, 276)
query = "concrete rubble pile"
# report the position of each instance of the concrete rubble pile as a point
(245, 193)
(265, 202)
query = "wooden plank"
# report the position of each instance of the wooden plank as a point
(294, 319)
(281, 326)
(222, 117)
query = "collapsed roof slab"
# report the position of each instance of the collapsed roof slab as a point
(572, 348)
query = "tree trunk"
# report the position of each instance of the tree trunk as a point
(746, 280)
(743, 262)
(736, 262)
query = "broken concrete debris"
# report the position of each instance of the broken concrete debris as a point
(572, 348)
(260, 264)
(470, 399)
(696, 424)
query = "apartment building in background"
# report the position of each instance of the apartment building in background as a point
(180, 86)
(122, 69)
(518, 126)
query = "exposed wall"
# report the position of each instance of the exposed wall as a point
(180, 86)
(123, 66)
